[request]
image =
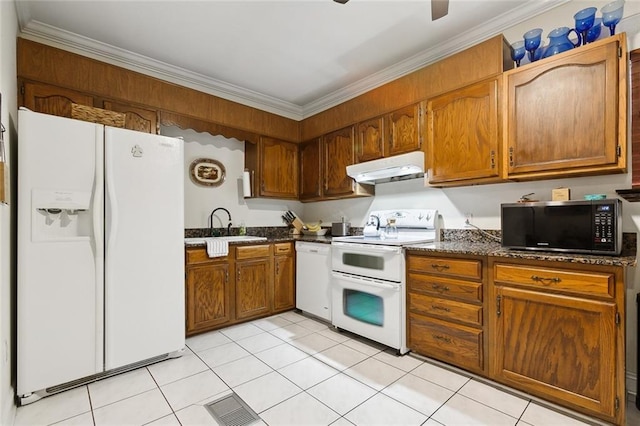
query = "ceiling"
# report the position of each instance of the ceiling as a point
(293, 57)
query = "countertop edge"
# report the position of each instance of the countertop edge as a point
(495, 250)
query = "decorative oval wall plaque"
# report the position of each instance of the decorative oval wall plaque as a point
(207, 172)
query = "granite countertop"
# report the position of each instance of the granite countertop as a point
(489, 248)
(457, 241)
(274, 239)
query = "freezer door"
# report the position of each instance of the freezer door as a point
(59, 251)
(144, 263)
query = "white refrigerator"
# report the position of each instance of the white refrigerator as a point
(100, 251)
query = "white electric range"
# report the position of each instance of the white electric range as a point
(368, 275)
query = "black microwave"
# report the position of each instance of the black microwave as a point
(592, 227)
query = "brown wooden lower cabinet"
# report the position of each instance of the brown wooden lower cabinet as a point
(445, 310)
(252, 281)
(557, 332)
(208, 295)
(554, 330)
(253, 292)
(284, 277)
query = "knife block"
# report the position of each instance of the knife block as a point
(297, 225)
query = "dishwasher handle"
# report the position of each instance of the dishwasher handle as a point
(315, 248)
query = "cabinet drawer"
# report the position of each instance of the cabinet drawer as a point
(445, 287)
(471, 269)
(195, 255)
(589, 283)
(452, 343)
(283, 248)
(446, 309)
(251, 252)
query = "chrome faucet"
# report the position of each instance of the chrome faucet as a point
(211, 220)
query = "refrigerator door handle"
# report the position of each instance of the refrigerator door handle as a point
(97, 208)
(111, 202)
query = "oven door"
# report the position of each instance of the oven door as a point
(370, 308)
(368, 260)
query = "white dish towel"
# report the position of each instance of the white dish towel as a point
(217, 248)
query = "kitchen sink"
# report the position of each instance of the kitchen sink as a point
(234, 238)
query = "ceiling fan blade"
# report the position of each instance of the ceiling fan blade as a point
(439, 8)
(341, 1)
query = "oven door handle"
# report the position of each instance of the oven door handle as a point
(365, 282)
(369, 247)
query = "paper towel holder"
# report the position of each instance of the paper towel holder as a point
(247, 183)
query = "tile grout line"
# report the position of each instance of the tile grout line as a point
(163, 395)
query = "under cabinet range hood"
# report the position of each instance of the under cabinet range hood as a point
(390, 169)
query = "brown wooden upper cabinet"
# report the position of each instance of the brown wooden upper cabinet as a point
(567, 114)
(275, 166)
(391, 134)
(463, 133)
(311, 183)
(370, 140)
(404, 130)
(339, 152)
(323, 167)
(140, 119)
(52, 100)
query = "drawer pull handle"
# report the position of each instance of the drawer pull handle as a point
(440, 308)
(544, 280)
(440, 288)
(439, 267)
(442, 338)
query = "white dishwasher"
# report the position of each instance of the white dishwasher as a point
(313, 278)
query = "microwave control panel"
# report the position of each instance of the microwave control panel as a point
(604, 229)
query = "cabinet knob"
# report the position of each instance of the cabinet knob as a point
(440, 308)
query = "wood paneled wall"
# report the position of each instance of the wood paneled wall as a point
(479, 62)
(46, 64)
(189, 108)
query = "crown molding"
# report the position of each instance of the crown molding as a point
(432, 55)
(56, 37)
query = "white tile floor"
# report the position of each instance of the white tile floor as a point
(293, 370)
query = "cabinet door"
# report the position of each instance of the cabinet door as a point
(563, 114)
(284, 285)
(53, 100)
(140, 119)
(558, 347)
(278, 168)
(463, 135)
(338, 154)
(311, 170)
(253, 285)
(370, 140)
(404, 130)
(207, 296)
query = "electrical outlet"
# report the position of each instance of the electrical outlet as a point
(468, 219)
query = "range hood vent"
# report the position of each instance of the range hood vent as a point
(391, 169)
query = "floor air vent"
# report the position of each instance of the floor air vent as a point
(230, 410)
